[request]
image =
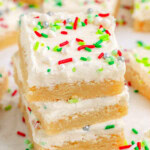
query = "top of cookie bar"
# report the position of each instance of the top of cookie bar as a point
(79, 5)
(64, 48)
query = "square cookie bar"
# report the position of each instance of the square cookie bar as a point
(141, 15)
(74, 6)
(138, 69)
(104, 136)
(65, 55)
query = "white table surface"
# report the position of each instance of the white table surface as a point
(139, 107)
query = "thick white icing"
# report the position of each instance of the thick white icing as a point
(54, 111)
(80, 5)
(46, 141)
(42, 59)
(141, 10)
(140, 68)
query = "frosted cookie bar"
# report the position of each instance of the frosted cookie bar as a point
(70, 55)
(73, 6)
(3, 82)
(138, 70)
(141, 15)
(104, 136)
(32, 2)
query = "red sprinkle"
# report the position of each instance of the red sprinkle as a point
(64, 43)
(108, 32)
(119, 53)
(1, 19)
(4, 25)
(101, 26)
(84, 46)
(79, 40)
(101, 55)
(125, 147)
(65, 61)
(129, 83)
(14, 93)
(37, 33)
(75, 23)
(29, 109)
(21, 133)
(23, 119)
(64, 32)
(139, 145)
(86, 21)
(64, 22)
(103, 15)
(37, 17)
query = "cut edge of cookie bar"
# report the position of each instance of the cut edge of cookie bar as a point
(104, 141)
(67, 91)
(8, 39)
(32, 2)
(137, 81)
(142, 26)
(3, 83)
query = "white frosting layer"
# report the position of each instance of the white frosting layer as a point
(49, 142)
(79, 5)
(140, 68)
(41, 59)
(54, 111)
(141, 10)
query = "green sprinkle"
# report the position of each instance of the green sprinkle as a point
(73, 101)
(81, 43)
(55, 48)
(100, 69)
(99, 32)
(104, 37)
(30, 145)
(48, 70)
(134, 131)
(140, 43)
(109, 127)
(99, 42)
(111, 62)
(98, 46)
(9, 90)
(132, 142)
(83, 58)
(136, 91)
(39, 25)
(83, 24)
(88, 49)
(146, 147)
(1, 75)
(69, 27)
(36, 46)
(45, 107)
(35, 29)
(48, 47)
(8, 107)
(44, 35)
(26, 141)
(136, 148)
(73, 69)
(137, 5)
(147, 47)
(59, 49)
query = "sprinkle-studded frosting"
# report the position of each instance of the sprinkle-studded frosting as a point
(142, 10)
(79, 5)
(61, 48)
(139, 60)
(54, 111)
(10, 13)
(2, 75)
(86, 133)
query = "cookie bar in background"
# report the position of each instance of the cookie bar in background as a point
(32, 2)
(141, 15)
(75, 6)
(138, 68)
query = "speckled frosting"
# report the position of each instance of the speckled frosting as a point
(141, 10)
(73, 6)
(63, 48)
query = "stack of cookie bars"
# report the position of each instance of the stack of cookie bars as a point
(70, 74)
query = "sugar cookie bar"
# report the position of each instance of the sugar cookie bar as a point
(32, 2)
(141, 15)
(138, 70)
(3, 82)
(64, 55)
(104, 136)
(73, 6)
